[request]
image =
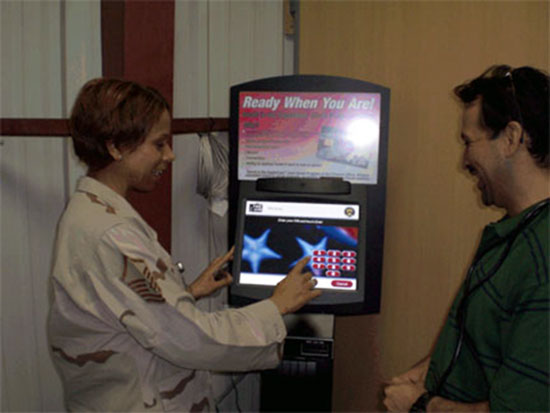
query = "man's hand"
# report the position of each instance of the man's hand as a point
(295, 290)
(400, 395)
(403, 390)
(213, 277)
(416, 374)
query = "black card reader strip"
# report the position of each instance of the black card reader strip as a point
(304, 185)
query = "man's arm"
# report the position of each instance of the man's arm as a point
(439, 404)
(403, 390)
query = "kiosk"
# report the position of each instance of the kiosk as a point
(308, 158)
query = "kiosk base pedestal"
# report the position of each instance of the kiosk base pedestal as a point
(303, 380)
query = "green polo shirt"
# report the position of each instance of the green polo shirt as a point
(507, 320)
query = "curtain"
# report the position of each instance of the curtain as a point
(48, 50)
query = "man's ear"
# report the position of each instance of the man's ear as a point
(114, 151)
(513, 138)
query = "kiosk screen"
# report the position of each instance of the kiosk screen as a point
(276, 234)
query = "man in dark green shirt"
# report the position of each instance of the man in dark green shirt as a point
(493, 352)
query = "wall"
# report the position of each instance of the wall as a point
(421, 50)
(48, 49)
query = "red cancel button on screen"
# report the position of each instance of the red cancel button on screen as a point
(342, 283)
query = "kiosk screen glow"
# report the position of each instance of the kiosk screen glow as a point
(278, 234)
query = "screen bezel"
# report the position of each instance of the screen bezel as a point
(330, 300)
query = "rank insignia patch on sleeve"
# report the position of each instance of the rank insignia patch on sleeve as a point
(144, 281)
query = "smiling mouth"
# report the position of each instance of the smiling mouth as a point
(474, 173)
(480, 185)
(471, 170)
(159, 172)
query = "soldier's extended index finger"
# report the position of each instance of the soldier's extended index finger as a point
(301, 264)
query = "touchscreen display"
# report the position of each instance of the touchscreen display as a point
(276, 235)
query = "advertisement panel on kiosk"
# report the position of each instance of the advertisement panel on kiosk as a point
(307, 177)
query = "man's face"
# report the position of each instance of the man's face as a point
(482, 157)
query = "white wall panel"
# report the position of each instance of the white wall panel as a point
(32, 200)
(189, 212)
(241, 21)
(41, 63)
(220, 58)
(268, 37)
(82, 61)
(38, 39)
(11, 38)
(191, 59)
(218, 44)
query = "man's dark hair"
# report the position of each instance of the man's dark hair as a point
(114, 110)
(513, 94)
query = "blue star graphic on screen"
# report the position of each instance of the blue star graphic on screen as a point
(308, 249)
(255, 250)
